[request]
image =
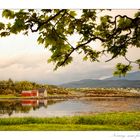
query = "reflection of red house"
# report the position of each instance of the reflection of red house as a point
(30, 93)
(29, 102)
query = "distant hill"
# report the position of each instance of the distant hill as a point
(131, 80)
(129, 76)
(103, 83)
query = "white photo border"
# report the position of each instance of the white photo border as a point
(70, 4)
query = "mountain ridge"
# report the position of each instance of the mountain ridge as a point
(128, 81)
(130, 76)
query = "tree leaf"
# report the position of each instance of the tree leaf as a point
(8, 14)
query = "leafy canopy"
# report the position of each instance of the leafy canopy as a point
(116, 34)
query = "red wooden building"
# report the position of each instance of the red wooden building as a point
(30, 93)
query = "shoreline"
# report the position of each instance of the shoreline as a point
(65, 97)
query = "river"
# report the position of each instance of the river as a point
(69, 107)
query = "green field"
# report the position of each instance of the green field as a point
(106, 121)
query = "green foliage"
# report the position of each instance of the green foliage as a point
(8, 14)
(138, 61)
(2, 26)
(55, 26)
(18, 26)
(54, 90)
(124, 23)
(4, 34)
(10, 88)
(137, 14)
(122, 69)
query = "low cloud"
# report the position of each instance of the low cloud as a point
(35, 68)
(23, 60)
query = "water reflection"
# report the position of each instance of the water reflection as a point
(22, 106)
(47, 108)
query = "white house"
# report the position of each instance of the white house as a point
(42, 92)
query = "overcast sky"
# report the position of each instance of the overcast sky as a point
(21, 58)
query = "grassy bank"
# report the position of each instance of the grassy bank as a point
(8, 96)
(106, 121)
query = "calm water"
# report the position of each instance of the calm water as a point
(49, 108)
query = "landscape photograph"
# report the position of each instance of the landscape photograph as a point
(69, 70)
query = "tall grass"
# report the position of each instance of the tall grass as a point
(106, 118)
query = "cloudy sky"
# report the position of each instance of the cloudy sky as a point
(21, 58)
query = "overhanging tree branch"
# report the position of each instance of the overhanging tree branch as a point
(39, 24)
(115, 34)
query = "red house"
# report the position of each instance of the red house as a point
(30, 93)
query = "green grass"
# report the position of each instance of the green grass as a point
(8, 96)
(106, 121)
(66, 127)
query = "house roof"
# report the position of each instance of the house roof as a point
(40, 90)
